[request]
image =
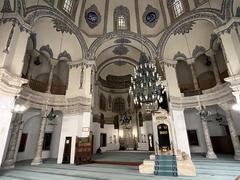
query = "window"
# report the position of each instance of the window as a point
(47, 141)
(116, 122)
(23, 142)
(178, 8)
(103, 140)
(192, 137)
(121, 23)
(119, 105)
(102, 121)
(102, 102)
(121, 18)
(68, 6)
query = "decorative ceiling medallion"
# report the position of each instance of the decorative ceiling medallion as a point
(120, 63)
(185, 28)
(92, 16)
(61, 26)
(122, 41)
(179, 56)
(150, 16)
(64, 56)
(120, 50)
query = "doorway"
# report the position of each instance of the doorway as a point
(67, 150)
(163, 137)
(150, 142)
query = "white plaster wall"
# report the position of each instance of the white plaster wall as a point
(72, 126)
(110, 131)
(6, 117)
(32, 120)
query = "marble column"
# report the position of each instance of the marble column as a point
(50, 79)
(38, 155)
(195, 82)
(10, 157)
(210, 153)
(233, 133)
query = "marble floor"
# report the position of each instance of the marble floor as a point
(225, 168)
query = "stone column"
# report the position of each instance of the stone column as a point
(233, 133)
(10, 160)
(195, 82)
(50, 79)
(38, 155)
(203, 116)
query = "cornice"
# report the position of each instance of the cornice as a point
(218, 95)
(40, 100)
(10, 84)
(227, 27)
(15, 18)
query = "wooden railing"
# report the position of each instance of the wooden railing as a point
(42, 87)
(58, 89)
(38, 85)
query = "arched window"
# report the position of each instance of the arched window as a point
(184, 77)
(121, 18)
(68, 6)
(102, 102)
(119, 105)
(177, 8)
(101, 121)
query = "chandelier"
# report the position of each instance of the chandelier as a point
(147, 86)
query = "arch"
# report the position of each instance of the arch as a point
(151, 48)
(109, 61)
(204, 72)
(182, 26)
(184, 77)
(36, 12)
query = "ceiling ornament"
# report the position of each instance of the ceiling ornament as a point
(122, 41)
(47, 49)
(198, 51)
(119, 63)
(61, 26)
(120, 50)
(92, 16)
(150, 16)
(185, 28)
(6, 6)
(64, 56)
(179, 56)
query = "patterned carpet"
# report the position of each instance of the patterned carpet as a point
(225, 168)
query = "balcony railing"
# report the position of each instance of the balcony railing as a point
(42, 87)
(58, 89)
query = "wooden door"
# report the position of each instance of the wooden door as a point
(67, 150)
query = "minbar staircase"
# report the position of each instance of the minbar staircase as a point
(165, 165)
